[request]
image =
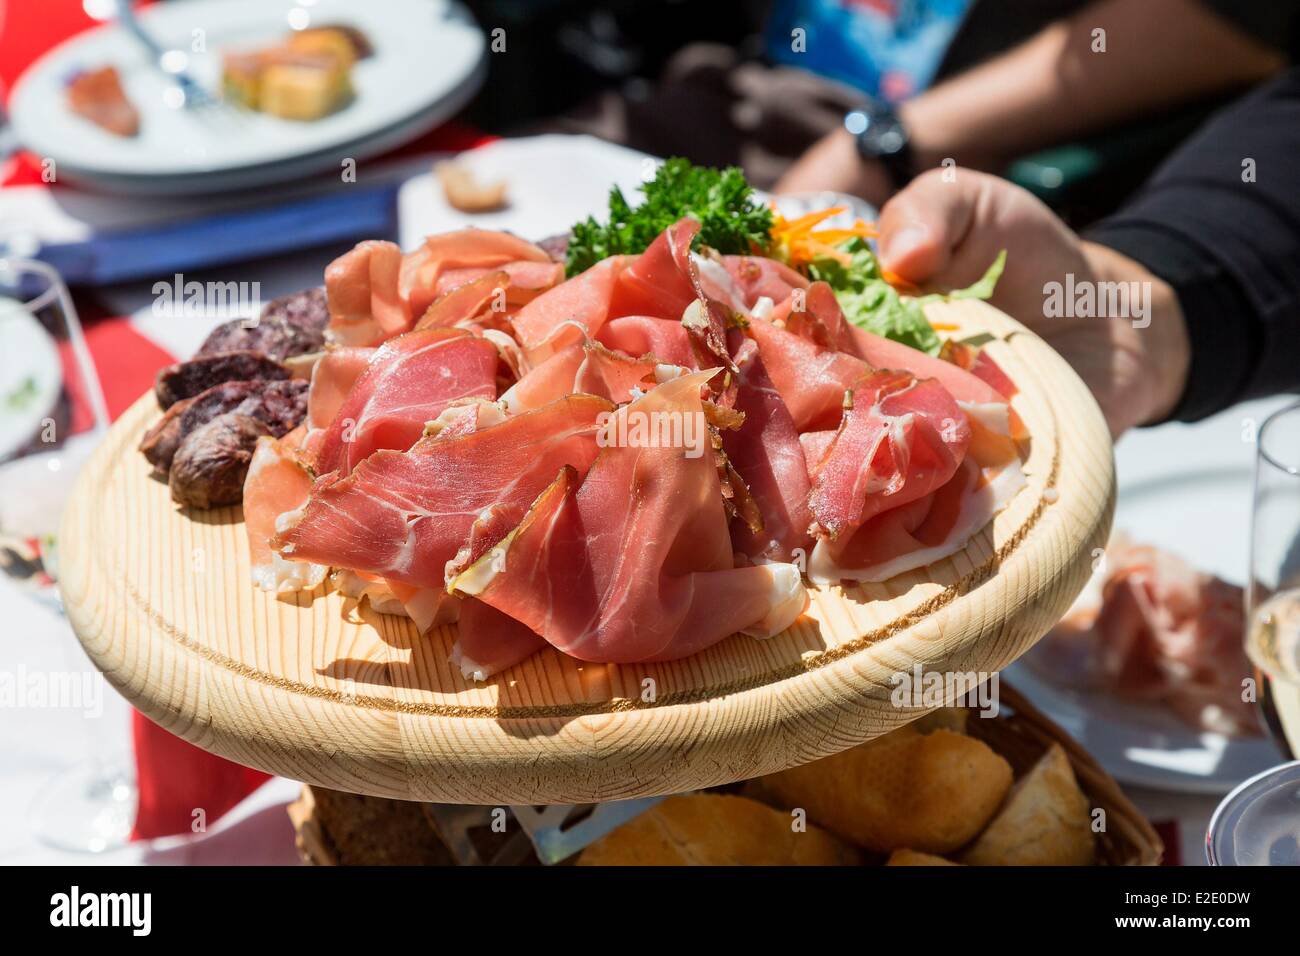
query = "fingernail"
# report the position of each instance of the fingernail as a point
(900, 244)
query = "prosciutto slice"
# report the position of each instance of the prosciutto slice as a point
(767, 454)
(577, 569)
(410, 380)
(586, 367)
(489, 641)
(362, 289)
(665, 339)
(276, 483)
(921, 532)
(901, 439)
(427, 271)
(405, 515)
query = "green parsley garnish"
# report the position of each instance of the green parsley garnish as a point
(731, 221)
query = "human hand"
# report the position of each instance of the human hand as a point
(943, 231)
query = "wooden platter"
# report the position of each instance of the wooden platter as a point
(316, 688)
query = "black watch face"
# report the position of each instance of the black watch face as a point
(881, 135)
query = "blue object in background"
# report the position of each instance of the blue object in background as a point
(355, 212)
(888, 48)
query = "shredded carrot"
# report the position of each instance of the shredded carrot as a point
(798, 243)
(898, 282)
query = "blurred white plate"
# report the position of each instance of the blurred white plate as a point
(30, 376)
(429, 59)
(1187, 489)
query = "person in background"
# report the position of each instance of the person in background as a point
(1212, 243)
(1098, 69)
(982, 83)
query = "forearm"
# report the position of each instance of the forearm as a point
(1054, 87)
(1220, 224)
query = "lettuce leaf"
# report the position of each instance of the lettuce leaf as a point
(871, 303)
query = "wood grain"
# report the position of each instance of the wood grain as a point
(316, 688)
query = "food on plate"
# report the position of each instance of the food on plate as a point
(716, 830)
(259, 370)
(274, 336)
(627, 465)
(308, 308)
(305, 77)
(1045, 821)
(97, 95)
(1153, 628)
(330, 36)
(912, 858)
(347, 829)
(184, 380)
(209, 467)
(465, 193)
(931, 792)
(280, 405)
(304, 86)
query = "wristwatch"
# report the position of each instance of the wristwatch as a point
(881, 137)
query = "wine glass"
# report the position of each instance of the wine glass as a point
(1259, 822)
(52, 414)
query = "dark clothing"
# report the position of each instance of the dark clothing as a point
(1220, 222)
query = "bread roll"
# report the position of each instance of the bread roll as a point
(945, 718)
(1045, 821)
(347, 829)
(716, 830)
(912, 858)
(929, 792)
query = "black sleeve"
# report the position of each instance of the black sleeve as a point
(1273, 22)
(1220, 222)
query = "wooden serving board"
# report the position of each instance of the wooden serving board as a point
(316, 688)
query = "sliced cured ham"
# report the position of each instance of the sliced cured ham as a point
(659, 282)
(425, 270)
(276, 483)
(767, 454)
(488, 641)
(365, 302)
(467, 301)
(901, 439)
(405, 515)
(755, 277)
(331, 381)
(665, 339)
(810, 378)
(577, 569)
(409, 381)
(560, 317)
(920, 532)
(587, 367)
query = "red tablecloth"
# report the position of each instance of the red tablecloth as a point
(175, 779)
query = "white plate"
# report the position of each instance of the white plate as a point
(429, 59)
(1187, 489)
(31, 376)
(1144, 745)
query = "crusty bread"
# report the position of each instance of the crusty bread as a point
(930, 792)
(912, 858)
(1044, 822)
(347, 829)
(945, 718)
(716, 830)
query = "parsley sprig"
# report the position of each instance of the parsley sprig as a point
(731, 220)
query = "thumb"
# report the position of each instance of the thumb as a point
(922, 226)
